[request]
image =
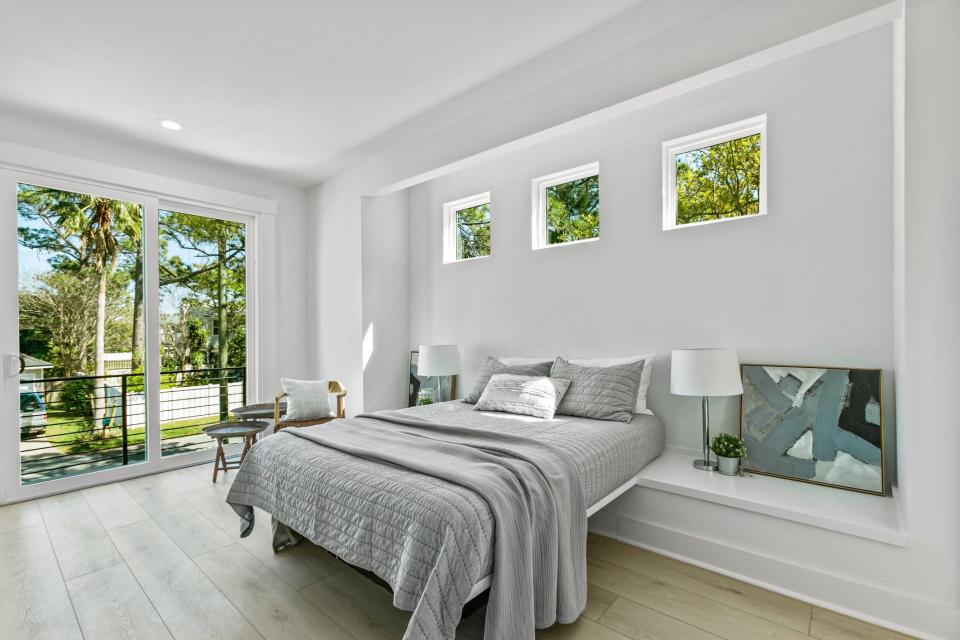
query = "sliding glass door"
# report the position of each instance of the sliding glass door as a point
(125, 332)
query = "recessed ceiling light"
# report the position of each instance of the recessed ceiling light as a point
(173, 125)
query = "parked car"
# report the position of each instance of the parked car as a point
(33, 415)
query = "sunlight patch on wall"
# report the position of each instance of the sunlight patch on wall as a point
(367, 345)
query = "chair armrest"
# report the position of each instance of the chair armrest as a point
(276, 410)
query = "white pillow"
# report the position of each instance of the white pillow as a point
(307, 399)
(645, 375)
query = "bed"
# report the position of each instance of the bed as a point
(430, 536)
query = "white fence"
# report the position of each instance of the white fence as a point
(183, 403)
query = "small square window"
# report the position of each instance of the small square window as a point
(466, 228)
(715, 175)
(566, 207)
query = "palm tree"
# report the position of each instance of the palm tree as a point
(80, 232)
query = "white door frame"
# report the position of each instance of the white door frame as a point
(10, 487)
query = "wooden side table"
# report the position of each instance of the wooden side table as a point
(247, 429)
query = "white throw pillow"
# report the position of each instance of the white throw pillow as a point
(645, 376)
(307, 399)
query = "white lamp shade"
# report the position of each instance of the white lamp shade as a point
(438, 360)
(705, 372)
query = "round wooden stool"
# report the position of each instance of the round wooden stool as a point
(247, 429)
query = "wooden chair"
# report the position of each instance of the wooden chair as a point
(333, 387)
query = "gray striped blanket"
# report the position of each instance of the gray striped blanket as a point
(420, 504)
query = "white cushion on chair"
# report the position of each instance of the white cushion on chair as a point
(307, 399)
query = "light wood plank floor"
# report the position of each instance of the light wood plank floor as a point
(160, 557)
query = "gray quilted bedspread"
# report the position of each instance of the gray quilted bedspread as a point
(419, 496)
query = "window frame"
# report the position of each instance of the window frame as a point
(450, 210)
(702, 139)
(540, 186)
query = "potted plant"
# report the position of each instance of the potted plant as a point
(729, 450)
(426, 396)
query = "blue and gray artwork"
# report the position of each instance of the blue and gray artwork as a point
(817, 425)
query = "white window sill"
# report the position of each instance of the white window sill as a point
(459, 260)
(857, 514)
(568, 243)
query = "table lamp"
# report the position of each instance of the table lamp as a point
(705, 372)
(439, 360)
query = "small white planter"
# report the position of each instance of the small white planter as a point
(728, 466)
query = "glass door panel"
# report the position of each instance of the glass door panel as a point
(80, 289)
(203, 326)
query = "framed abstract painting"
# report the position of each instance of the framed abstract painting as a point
(818, 425)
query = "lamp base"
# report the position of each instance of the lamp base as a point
(704, 465)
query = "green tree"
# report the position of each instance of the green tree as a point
(60, 310)
(58, 319)
(184, 339)
(573, 210)
(215, 275)
(80, 232)
(132, 267)
(473, 232)
(720, 181)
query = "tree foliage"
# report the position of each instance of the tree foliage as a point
(184, 338)
(82, 234)
(61, 307)
(720, 181)
(58, 315)
(473, 232)
(214, 278)
(573, 210)
(76, 230)
(90, 298)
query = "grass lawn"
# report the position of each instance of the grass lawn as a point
(72, 435)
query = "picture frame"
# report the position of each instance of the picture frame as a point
(820, 425)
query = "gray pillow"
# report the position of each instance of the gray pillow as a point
(525, 395)
(604, 393)
(492, 366)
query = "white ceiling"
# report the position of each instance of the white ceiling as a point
(282, 87)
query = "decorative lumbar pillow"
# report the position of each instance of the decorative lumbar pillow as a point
(604, 393)
(645, 378)
(307, 399)
(491, 366)
(536, 396)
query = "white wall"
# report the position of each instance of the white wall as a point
(916, 587)
(810, 283)
(931, 345)
(731, 31)
(335, 288)
(385, 295)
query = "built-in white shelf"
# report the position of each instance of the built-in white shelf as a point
(856, 514)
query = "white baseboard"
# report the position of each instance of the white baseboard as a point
(920, 617)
